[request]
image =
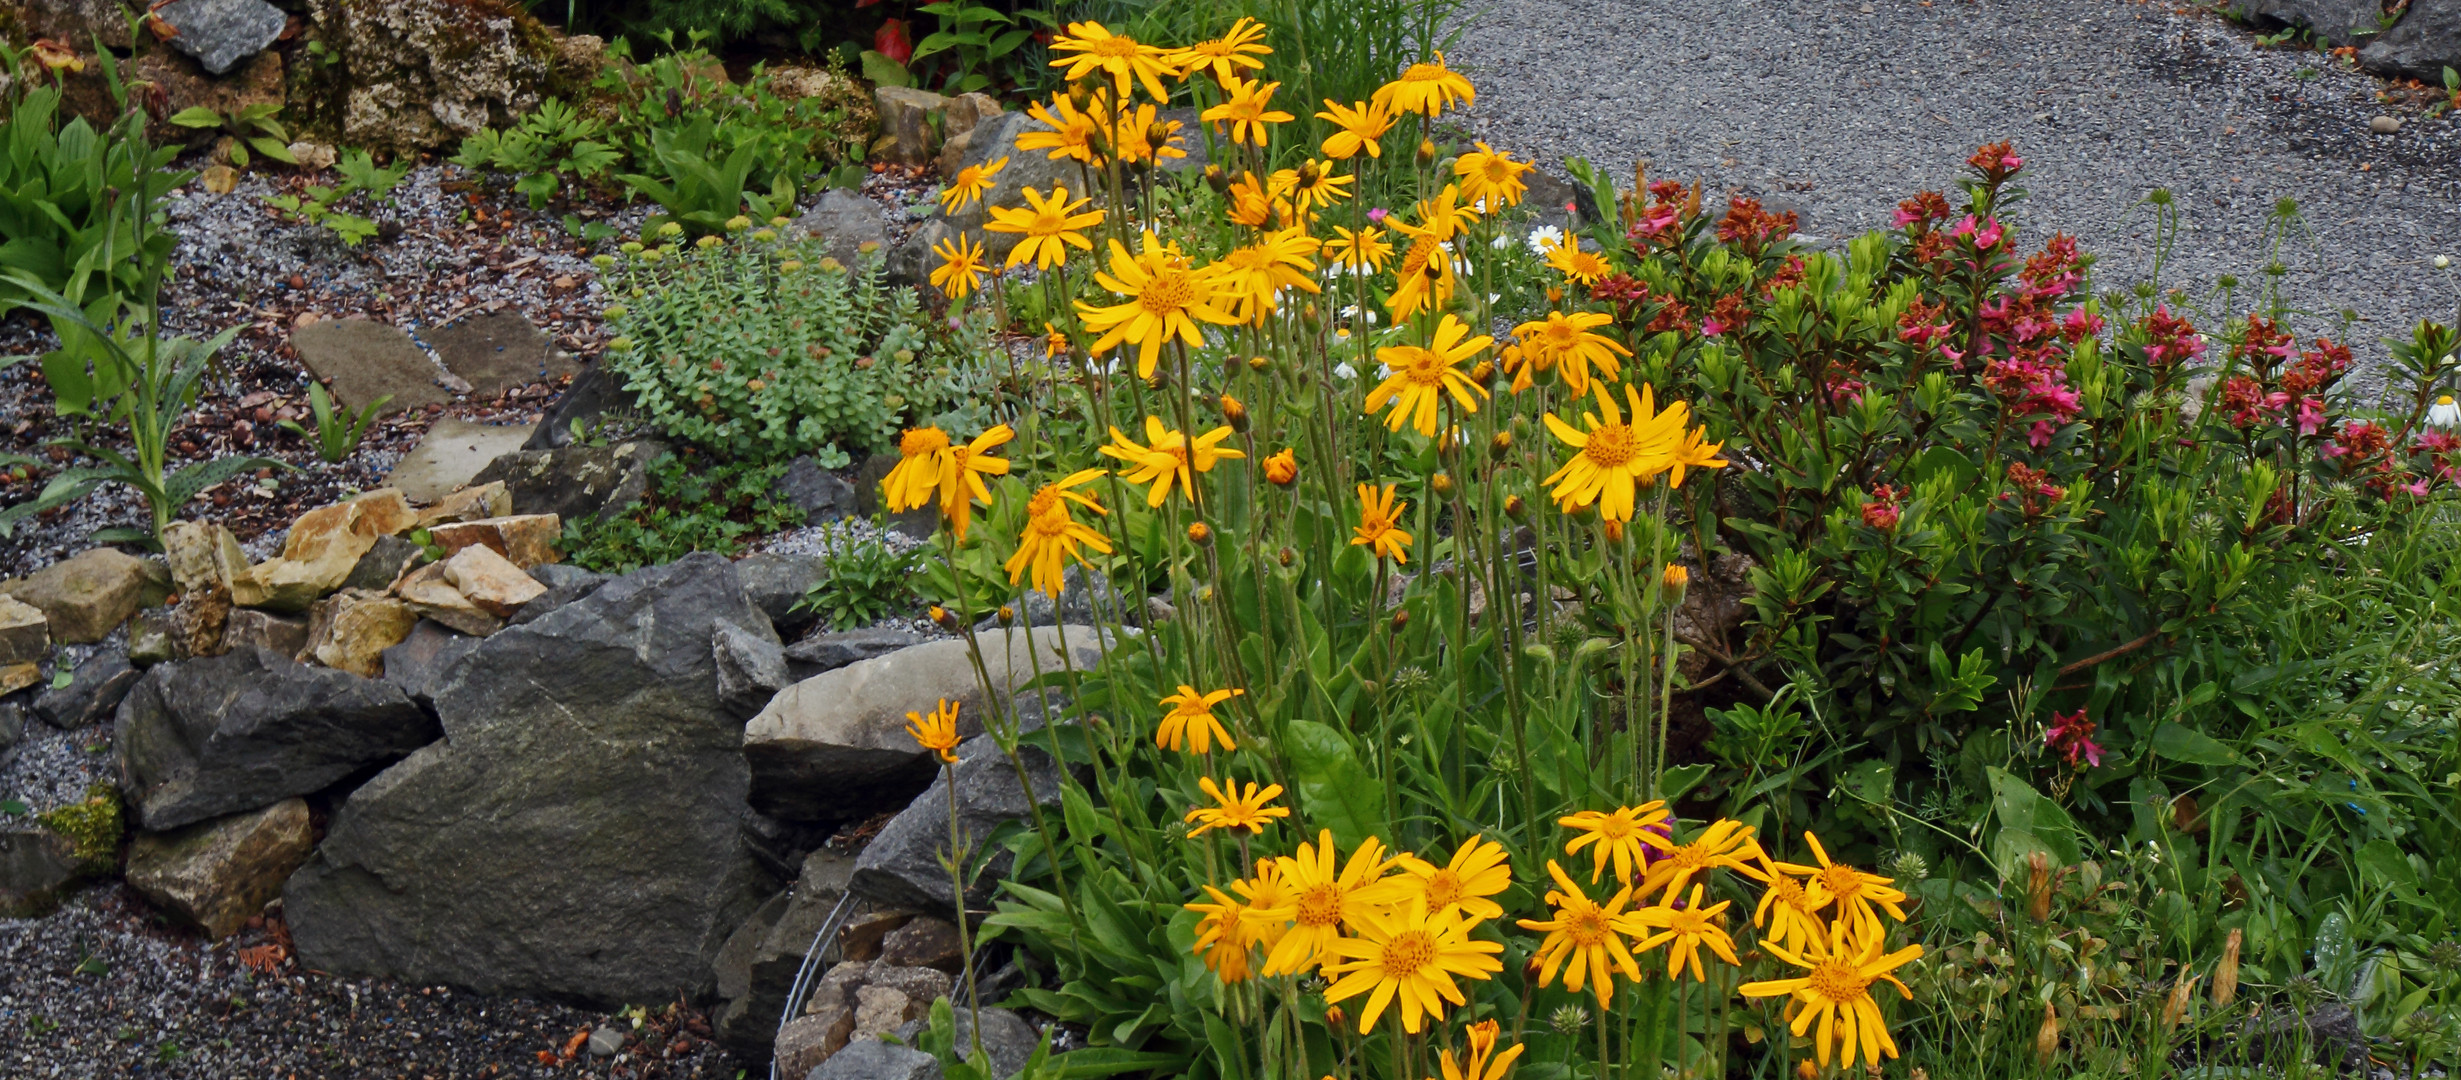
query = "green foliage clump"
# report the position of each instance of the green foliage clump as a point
(93, 828)
(866, 581)
(72, 200)
(692, 505)
(765, 349)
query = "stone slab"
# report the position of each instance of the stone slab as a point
(450, 455)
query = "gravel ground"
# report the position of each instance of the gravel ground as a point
(1838, 108)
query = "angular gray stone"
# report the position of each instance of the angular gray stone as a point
(911, 262)
(36, 866)
(777, 584)
(915, 524)
(25, 635)
(376, 570)
(12, 725)
(757, 969)
(565, 583)
(498, 351)
(592, 395)
(872, 1059)
(901, 867)
(94, 690)
(751, 669)
(201, 738)
(362, 360)
(831, 651)
(927, 941)
(452, 452)
(2425, 42)
(149, 638)
(2337, 22)
(843, 221)
(248, 628)
(220, 33)
(1007, 1039)
(816, 491)
(418, 664)
(576, 482)
(834, 746)
(579, 831)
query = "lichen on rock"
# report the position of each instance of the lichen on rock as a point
(93, 828)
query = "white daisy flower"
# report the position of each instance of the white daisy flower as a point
(1344, 369)
(1544, 238)
(1501, 242)
(2444, 413)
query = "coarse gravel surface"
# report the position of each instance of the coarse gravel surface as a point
(1838, 108)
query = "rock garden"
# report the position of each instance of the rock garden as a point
(1143, 540)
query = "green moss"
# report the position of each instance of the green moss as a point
(93, 828)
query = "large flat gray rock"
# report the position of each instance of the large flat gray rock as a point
(363, 360)
(452, 452)
(498, 351)
(220, 33)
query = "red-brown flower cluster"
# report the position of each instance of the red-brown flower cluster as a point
(1881, 510)
(1750, 228)
(1923, 323)
(1996, 162)
(1922, 211)
(1661, 223)
(2031, 487)
(1732, 312)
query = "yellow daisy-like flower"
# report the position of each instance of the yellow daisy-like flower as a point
(1789, 909)
(1409, 956)
(1128, 61)
(1252, 274)
(1694, 453)
(1054, 341)
(1312, 185)
(1582, 939)
(1166, 298)
(1234, 809)
(1491, 179)
(1052, 534)
(1071, 135)
(1724, 843)
(1684, 930)
(1835, 991)
(1225, 936)
(1168, 458)
(1225, 56)
(1427, 88)
(1248, 111)
(961, 266)
(1321, 902)
(1616, 834)
(1362, 125)
(1567, 342)
(1282, 468)
(1191, 721)
(922, 455)
(1854, 892)
(1615, 457)
(961, 483)
(1378, 529)
(1423, 376)
(1481, 1062)
(1585, 267)
(1133, 133)
(1272, 903)
(1479, 869)
(1364, 250)
(1049, 227)
(968, 186)
(936, 732)
(1424, 279)
(1255, 201)
(1444, 214)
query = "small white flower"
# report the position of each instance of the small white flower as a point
(1545, 237)
(2442, 261)
(1344, 369)
(1493, 297)
(1501, 242)
(2444, 413)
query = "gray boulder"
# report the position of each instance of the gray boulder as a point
(565, 583)
(2338, 22)
(576, 482)
(593, 394)
(915, 524)
(418, 664)
(756, 970)
(835, 747)
(819, 493)
(831, 651)
(95, 688)
(2425, 42)
(751, 669)
(36, 866)
(901, 867)
(363, 361)
(220, 33)
(217, 874)
(1007, 1039)
(843, 221)
(376, 570)
(12, 725)
(497, 351)
(201, 738)
(579, 832)
(777, 583)
(872, 1059)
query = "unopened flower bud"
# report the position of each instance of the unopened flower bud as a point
(1234, 413)
(943, 618)
(1673, 582)
(1804, 1070)
(1282, 469)
(2442, 261)
(1426, 152)
(1311, 318)
(1260, 364)
(1515, 507)
(1555, 294)
(1287, 557)
(617, 311)
(738, 223)
(1614, 531)
(1441, 484)
(1483, 372)
(1200, 534)
(1007, 614)
(1334, 1017)
(1401, 619)
(1500, 446)
(1216, 179)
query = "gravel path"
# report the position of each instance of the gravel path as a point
(1838, 108)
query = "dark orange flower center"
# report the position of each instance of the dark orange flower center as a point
(1409, 952)
(1611, 446)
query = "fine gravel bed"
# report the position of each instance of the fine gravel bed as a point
(1838, 108)
(103, 988)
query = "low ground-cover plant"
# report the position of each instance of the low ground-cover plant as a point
(2040, 600)
(693, 504)
(761, 347)
(865, 580)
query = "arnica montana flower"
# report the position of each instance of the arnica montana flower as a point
(1835, 991)
(1127, 60)
(1616, 457)
(1251, 275)
(1490, 179)
(961, 478)
(915, 483)
(1423, 376)
(1617, 836)
(1233, 810)
(968, 186)
(1052, 534)
(1225, 935)
(1236, 50)
(1854, 892)
(1407, 955)
(1135, 132)
(1321, 902)
(936, 732)
(1071, 135)
(1361, 128)
(1312, 185)
(1789, 911)
(1443, 214)
(1582, 939)
(1166, 299)
(1191, 722)
(1248, 113)
(1256, 201)
(1685, 929)
(1048, 226)
(1569, 344)
(1364, 250)
(1424, 279)
(1479, 869)
(1585, 267)
(961, 266)
(1282, 468)
(1427, 88)
(1378, 528)
(1724, 843)
(1481, 1062)
(1168, 457)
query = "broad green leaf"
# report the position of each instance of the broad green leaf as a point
(2180, 743)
